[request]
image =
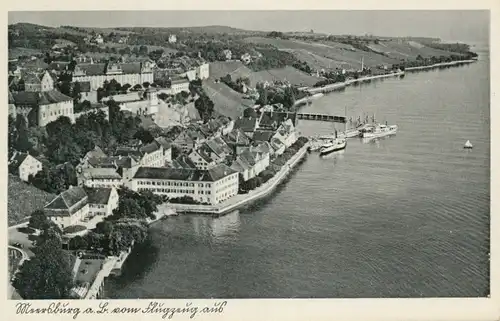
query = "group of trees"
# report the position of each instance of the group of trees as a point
(286, 95)
(18, 136)
(47, 275)
(235, 85)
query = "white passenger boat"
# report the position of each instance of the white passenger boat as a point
(333, 146)
(379, 130)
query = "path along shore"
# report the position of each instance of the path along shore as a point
(341, 85)
(244, 199)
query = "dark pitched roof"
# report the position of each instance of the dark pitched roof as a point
(273, 119)
(237, 136)
(183, 161)
(17, 160)
(131, 68)
(263, 135)
(247, 124)
(31, 78)
(39, 98)
(59, 65)
(164, 142)
(151, 147)
(98, 195)
(93, 69)
(64, 201)
(211, 175)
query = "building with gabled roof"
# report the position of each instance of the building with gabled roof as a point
(247, 124)
(211, 186)
(24, 165)
(99, 177)
(167, 149)
(183, 161)
(102, 201)
(68, 208)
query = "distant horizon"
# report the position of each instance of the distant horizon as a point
(450, 25)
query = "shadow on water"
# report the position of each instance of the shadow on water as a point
(137, 265)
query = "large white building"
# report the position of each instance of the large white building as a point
(124, 73)
(210, 186)
(99, 177)
(102, 201)
(68, 208)
(41, 104)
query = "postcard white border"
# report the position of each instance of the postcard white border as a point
(296, 309)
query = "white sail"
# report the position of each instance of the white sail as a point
(468, 144)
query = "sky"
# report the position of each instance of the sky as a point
(451, 25)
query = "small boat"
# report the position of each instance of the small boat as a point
(379, 130)
(468, 145)
(350, 133)
(333, 146)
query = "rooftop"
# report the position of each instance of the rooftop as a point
(211, 175)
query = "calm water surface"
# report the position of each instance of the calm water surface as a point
(405, 216)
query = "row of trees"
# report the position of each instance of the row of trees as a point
(235, 85)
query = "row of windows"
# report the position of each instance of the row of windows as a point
(168, 183)
(65, 111)
(176, 191)
(226, 187)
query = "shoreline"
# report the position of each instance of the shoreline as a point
(341, 85)
(244, 199)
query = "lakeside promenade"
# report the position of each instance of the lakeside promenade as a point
(244, 199)
(340, 85)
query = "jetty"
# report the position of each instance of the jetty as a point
(322, 117)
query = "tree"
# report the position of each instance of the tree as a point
(249, 112)
(48, 275)
(22, 142)
(205, 106)
(38, 220)
(144, 135)
(12, 136)
(145, 84)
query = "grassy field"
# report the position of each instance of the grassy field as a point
(227, 102)
(331, 54)
(237, 69)
(18, 52)
(23, 199)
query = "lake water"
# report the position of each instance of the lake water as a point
(405, 216)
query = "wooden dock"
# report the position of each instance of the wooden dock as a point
(322, 117)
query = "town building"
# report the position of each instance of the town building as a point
(137, 102)
(172, 39)
(202, 159)
(246, 58)
(123, 73)
(149, 155)
(251, 163)
(102, 201)
(179, 85)
(99, 177)
(183, 161)
(227, 54)
(41, 108)
(86, 93)
(247, 124)
(24, 165)
(167, 149)
(68, 208)
(189, 139)
(38, 82)
(211, 186)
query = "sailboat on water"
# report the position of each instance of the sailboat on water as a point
(468, 145)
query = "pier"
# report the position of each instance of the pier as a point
(322, 117)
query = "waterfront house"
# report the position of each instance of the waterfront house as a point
(99, 177)
(24, 165)
(211, 186)
(102, 201)
(286, 133)
(124, 73)
(68, 208)
(278, 146)
(270, 120)
(252, 161)
(263, 135)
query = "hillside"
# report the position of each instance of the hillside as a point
(23, 199)
(238, 70)
(227, 102)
